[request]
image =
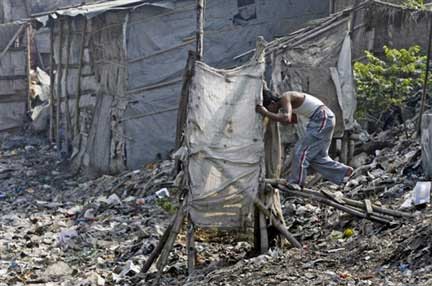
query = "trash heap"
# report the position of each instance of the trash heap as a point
(59, 228)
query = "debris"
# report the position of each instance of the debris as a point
(130, 269)
(421, 193)
(58, 269)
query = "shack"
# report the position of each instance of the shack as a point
(122, 63)
(13, 75)
(318, 59)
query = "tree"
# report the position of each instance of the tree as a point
(388, 82)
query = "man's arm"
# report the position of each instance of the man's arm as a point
(284, 117)
(286, 106)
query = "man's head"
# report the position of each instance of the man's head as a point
(270, 101)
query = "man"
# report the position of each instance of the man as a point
(312, 149)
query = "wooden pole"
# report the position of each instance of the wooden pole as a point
(78, 95)
(29, 66)
(200, 30)
(277, 224)
(157, 251)
(425, 84)
(59, 79)
(312, 194)
(263, 227)
(66, 95)
(170, 241)
(51, 127)
(191, 250)
(184, 98)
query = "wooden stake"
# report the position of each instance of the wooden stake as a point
(191, 250)
(425, 84)
(170, 241)
(59, 79)
(277, 224)
(78, 96)
(51, 127)
(156, 252)
(66, 95)
(257, 235)
(184, 98)
(200, 30)
(264, 239)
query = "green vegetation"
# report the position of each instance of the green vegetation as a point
(166, 205)
(414, 4)
(390, 81)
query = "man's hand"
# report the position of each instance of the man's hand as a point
(261, 110)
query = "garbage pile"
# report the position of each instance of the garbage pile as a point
(59, 228)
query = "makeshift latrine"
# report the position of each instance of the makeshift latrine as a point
(13, 75)
(134, 63)
(223, 157)
(317, 60)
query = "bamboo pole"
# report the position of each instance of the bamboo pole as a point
(200, 30)
(66, 95)
(425, 84)
(51, 127)
(59, 79)
(78, 96)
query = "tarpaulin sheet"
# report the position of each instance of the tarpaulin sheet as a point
(307, 67)
(157, 43)
(224, 138)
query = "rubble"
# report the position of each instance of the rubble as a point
(59, 228)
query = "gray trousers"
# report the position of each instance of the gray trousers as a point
(312, 150)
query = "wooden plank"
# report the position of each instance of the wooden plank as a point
(51, 96)
(59, 79)
(200, 30)
(78, 97)
(333, 197)
(68, 120)
(13, 77)
(368, 206)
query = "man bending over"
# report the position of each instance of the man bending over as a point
(312, 149)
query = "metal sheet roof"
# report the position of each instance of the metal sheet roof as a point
(92, 10)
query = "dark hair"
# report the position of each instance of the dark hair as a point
(269, 97)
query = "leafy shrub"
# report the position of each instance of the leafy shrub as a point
(388, 82)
